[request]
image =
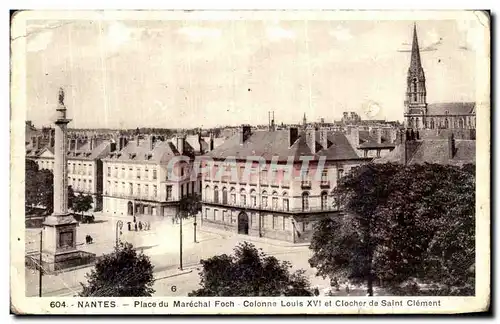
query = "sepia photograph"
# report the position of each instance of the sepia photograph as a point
(250, 162)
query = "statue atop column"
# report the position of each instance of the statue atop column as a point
(61, 96)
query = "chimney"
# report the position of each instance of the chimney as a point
(311, 139)
(91, 143)
(379, 135)
(293, 135)
(199, 143)
(180, 143)
(323, 138)
(451, 146)
(112, 147)
(245, 132)
(354, 136)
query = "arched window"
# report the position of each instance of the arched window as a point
(286, 205)
(216, 194)
(224, 195)
(432, 123)
(305, 201)
(264, 199)
(461, 123)
(446, 123)
(253, 198)
(206, 193)
(324, 201)
(275, 200)
(233, 196)
(243, 197)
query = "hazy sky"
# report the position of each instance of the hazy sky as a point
(205, 73)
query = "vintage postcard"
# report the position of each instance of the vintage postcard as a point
(250, 162)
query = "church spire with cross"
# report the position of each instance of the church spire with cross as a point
(415, 99)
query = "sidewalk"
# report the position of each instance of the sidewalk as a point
(249, 238)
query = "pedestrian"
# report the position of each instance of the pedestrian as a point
(140, 226)
(135, 227)
(129, 226)
(347, 289)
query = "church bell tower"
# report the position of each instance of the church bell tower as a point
(415, 100)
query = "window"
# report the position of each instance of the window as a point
(84, 184)
(264, 199)
(73, 166)
(224, 215)
(131, 173)
(253, 198)
(233, 196)
(305, 182)
(122, 174)
(215, 213)
(216, 195)
(243, 197)
(224, 196)
(340, 174)
(146, 173)
(182, 171)
(275, 200)
(130, 189)
(182, 190)
(146, 190)
(286, 206)
(169, 192)
(138, 173)
(123, 187)
(115, 172)
(324, 177)
(275, 179)
(207, 193)
(138, 189)
(324, 201)
(305, 201)
(263, 177)
(154, 174)
(206, 213)
(155, 191)
(115, 187)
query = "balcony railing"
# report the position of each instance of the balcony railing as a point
(328, 208)
(132, 196)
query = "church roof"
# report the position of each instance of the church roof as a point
(453, 108)
(434, 151)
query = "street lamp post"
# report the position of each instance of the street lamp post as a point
(180, 242)
(194, 226)
(119, 226)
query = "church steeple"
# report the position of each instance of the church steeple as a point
(415, 101)
(415, 63)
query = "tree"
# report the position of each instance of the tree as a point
(82, 203)
(39, 188)
(345, 246)
(251, 273)
(122, 273)
(402, 223)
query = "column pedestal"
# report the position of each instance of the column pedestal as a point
(59, 244)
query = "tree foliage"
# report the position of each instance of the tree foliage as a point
(190, 205)
(39, 188)
(82, 203)
(250, 272)
(402, 223)
(122, 273)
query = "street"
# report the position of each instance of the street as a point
(161, 244)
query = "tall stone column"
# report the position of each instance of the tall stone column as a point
(59, 229)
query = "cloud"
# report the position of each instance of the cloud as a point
(277, 33)
(39, 42)
(341, 33)
(198, 34)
